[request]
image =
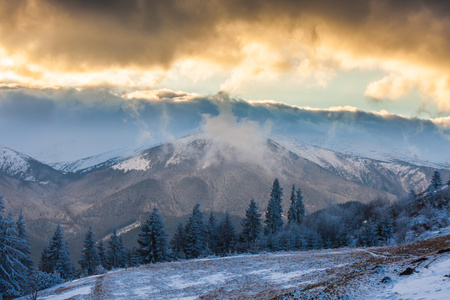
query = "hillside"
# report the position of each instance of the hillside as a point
(120, 192)
(359, 273)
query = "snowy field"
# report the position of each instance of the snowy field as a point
(372, 273)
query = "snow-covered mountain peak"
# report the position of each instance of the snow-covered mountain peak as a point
(92, 162)
(15, 164)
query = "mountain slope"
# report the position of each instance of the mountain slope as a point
(221, 177)
(23, 167)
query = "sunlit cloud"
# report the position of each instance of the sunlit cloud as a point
(135, 45)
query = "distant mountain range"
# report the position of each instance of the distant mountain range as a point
(119, 188)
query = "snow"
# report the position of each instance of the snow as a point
(84, 290)
(137, 163)
(356, 273)
(431, 282)
(91, 162)
(355, 168)
(15, 164)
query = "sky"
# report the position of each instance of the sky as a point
(371, 54)
(89, 61)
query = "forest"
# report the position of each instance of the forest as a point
(352, 224)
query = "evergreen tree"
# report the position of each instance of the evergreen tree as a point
(13, 271)
(227, 236)
(23, 234)
(117, 254)
(296, 211)
(385, 229)
(89, 259)
(195, 241)
(177, 243)
(251, 224)
(153, 239)
(314, 240)
(343, 239)
(134, 258)
(45, 264)
(274, 221)
(213, 234)
(102, 259)
(367, 237)
(56, 257)
(436, 181)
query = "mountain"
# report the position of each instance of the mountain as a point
(91, 163)
(222, 176)
(25, 168)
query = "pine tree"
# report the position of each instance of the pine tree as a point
(134, 258)
(102, 259)
(296, 211)
(23, 234)
(274, 221)
(213, 234)
(56, 257)
(117, 254)
(227, 235)
(45, 264)
(89, 259)
(13, 272)
(436, 181)
(153, 239)
(195, 241)
(251, 224)
(367, 237)
(385, 229)
(178, 242)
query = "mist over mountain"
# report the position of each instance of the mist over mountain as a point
(65, 125)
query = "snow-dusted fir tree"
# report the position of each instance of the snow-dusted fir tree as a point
(153, 239)
(117, 254)
(89, 258)
(56, 257)
(227, 235)
(368, 236)
(13, 271)
(177, 244)
(251, 224)
(195, 241)
(212, 234)
(274, 221)
(134, 258)
(385, 229)
(296, 211)
(102, 259)
(23, 233)
(436, 181)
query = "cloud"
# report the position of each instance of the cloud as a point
(443, 122)
(136, 44)
(67, 124)
(240, 141)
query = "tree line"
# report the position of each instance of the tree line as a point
(351, 224)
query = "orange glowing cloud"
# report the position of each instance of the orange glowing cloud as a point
(135, 44)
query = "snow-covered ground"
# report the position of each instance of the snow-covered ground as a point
(431, 282)
(370, 273)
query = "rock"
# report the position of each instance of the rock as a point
(386, 279)
(408, 271)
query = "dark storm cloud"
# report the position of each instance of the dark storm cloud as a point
(87, 34)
